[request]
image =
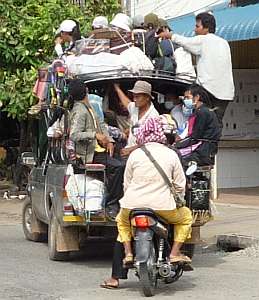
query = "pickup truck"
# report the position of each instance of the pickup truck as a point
(48, 212)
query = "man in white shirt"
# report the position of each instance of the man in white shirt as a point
(213, 56)
(139, 110)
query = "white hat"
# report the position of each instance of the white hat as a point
(138, 21)
(122, 21)
(100, 22)
(66, 26)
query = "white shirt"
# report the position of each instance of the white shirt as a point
(134, 120)
(143, 184)
(177, 114)
(214, 66)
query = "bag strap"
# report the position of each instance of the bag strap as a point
(158, 167)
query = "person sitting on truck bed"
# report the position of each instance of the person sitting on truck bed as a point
(93, 143)
(201, 145)
(139, 110)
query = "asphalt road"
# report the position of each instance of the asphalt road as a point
(27, 273)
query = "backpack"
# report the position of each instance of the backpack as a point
(151, 44)
(166, 61)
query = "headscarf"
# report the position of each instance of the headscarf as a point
(151, 131)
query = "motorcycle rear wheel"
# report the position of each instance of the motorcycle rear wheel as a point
(148, 275)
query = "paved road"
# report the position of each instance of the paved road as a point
(26, 273)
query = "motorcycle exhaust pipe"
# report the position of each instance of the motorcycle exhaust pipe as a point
(164, 270)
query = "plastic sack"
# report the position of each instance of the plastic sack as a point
(184, 62)
(85, 193)
(92, 46)
(135, 60)
(85, 64)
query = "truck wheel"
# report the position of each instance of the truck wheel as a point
(52, 240)
(28, 217)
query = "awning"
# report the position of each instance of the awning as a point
(233, 24)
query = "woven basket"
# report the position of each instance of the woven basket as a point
(201, 217)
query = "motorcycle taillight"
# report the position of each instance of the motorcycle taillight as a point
(142, 221)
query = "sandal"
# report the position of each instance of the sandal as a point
(128, 261)
(107, 285)
(180, 259)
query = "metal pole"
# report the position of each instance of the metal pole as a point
(214, 184)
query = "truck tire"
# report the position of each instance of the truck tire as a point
(52, 240)
(28, 217)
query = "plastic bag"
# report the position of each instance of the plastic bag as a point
(85, 193)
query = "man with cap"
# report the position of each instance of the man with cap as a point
(68, 32)
(100, 22)
(139, 110)
(122, 21)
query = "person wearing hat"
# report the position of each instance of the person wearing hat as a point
(100, 22)
(139, 110)
(201, 145)
(139, 32)
(122, 21)
(68, 32)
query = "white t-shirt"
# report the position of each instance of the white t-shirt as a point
(134, 120)
(214, 66)
(177, 114)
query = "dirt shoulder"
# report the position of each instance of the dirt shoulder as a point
(10, 211)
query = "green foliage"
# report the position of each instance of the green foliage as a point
(25, 27)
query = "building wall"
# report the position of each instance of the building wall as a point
(238, 167)
(238, 158)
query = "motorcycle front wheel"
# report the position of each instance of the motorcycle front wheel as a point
(148, 274)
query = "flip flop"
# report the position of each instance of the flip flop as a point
(180, 259)
(107, 285)
(128, 261)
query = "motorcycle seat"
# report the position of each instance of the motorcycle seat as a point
(148, 212)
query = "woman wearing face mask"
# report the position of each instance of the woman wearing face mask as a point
(204, 131)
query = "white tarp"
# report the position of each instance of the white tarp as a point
(172, 8)
(132, 59)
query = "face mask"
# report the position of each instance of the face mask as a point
(169, 105)
(187, 112)
(188, 103)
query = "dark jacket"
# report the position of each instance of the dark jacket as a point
(206, 129)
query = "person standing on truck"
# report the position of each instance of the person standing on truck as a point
(213, 57)
(93, 143)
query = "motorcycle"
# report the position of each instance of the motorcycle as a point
(152, 243)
